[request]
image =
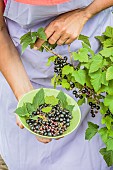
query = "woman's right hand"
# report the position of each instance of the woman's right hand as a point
(43, 140)
(18, 122)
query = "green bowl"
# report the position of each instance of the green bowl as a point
(49, 92)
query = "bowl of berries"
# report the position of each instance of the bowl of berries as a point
(48, 113)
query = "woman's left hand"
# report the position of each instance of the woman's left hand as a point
(65, 28)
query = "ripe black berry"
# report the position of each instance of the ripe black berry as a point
(65, 58)
(93, 115)
(74, 92)
(90, 103)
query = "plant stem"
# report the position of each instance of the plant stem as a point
(70, 53)
(48, 49)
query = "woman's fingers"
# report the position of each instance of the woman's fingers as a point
(54, 38)
(62, 39)
(43, 140)
(49, 31)
(59, 138)
(18, 122)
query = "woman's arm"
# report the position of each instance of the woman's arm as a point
(67, 27)
(12, 67)
(97, 6)
(10, 63)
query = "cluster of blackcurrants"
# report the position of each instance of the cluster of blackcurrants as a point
(94, 108)
(59, 63)
(51, 124)
(85, 90)
(88, 93)
(77, 94)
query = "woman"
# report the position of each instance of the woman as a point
(63, 23)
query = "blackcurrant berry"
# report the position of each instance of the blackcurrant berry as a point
(76, 95)
(28, 121)
(80, 96)
(90, 103)
(34, 113)
(65, 58)
(83, 91)
(93, 115)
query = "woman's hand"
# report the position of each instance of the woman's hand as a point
(65, 28)
(43, 140)
(18, 122)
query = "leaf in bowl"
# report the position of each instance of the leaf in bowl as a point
(47, 109)
(51, 100)
(22, 111)
(38, 99)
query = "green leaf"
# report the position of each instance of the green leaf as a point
(88, 48)
(108, 156)
(80, 76)
(110, 87)
(54, 81)
(85, 39)
(109, 32)
(101, 38)
(81, 56)
(51, 59)
(107, 52)
(47, 109)
(103, 109)
(104, 81)
(111, 133)
(108, 43)
(51, 100)
(38, 99)
(22, 111)
(67, 70)
(69, 108)
(96, 64)
(91, 130)
(30, 108)
(65, 84)
(108, 101)
(104, 134)
(109, 144)
(63, 99)
(41, 34)
(88, 81)
(36, 117)
(26, 38)
(50, 46)
(109, 73)
(107, 121)
(81, 101)
(24, 46)
(96, 79)
(111, 58)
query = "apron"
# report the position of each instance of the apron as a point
(19, 148)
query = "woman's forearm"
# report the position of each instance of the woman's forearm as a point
(10, 63)
(97, 6)
(11, 66)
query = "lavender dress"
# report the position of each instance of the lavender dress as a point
(19, 148)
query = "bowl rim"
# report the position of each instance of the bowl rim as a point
(47, 137)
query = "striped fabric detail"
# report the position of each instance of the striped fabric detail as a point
(42, 2)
